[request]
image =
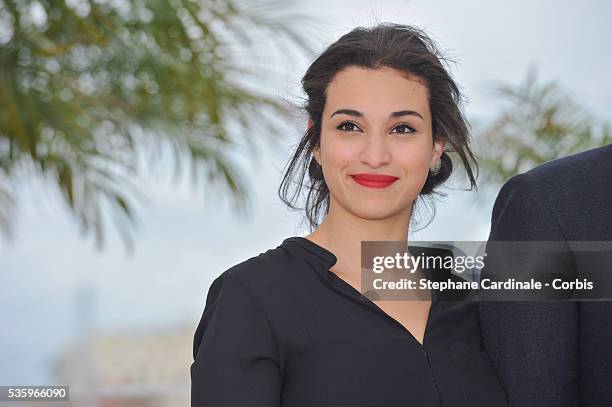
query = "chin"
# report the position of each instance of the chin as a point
(376, 212)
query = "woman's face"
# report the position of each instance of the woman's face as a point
(376, 122)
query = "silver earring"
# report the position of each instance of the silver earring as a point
(435, 169)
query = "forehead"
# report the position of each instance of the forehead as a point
(380, 90)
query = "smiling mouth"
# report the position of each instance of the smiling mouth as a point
(374, 180)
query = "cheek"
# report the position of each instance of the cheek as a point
(338, 154)
(414, 158)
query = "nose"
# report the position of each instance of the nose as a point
(375, 151)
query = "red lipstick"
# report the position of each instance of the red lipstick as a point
(374, 180)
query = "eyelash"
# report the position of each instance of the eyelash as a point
(412, 130)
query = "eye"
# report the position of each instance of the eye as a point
(407, 129)
(347, 126)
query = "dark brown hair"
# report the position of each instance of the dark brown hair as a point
(406, 49)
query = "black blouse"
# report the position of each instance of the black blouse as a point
(280, 329)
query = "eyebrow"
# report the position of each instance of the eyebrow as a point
(355, 113)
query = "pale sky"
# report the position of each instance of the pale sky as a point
(184, 241)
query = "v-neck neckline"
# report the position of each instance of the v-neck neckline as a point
(365, 300)
(327, 259)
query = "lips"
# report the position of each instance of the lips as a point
(374, 180)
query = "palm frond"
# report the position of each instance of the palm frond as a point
(84, 92)
(540, 122)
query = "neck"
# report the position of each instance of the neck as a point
(342, 232)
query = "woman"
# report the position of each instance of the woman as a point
(290, 326)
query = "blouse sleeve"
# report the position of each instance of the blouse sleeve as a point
(235, 355)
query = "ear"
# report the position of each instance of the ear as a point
(317, 155)
(437, 150)
(315, 152)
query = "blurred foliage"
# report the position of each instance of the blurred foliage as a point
(87, 86)
(540, 122)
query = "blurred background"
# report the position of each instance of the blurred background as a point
(142, 144)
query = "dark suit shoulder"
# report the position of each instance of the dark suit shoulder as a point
(594, 161)
(522, 211)
(578, 189)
